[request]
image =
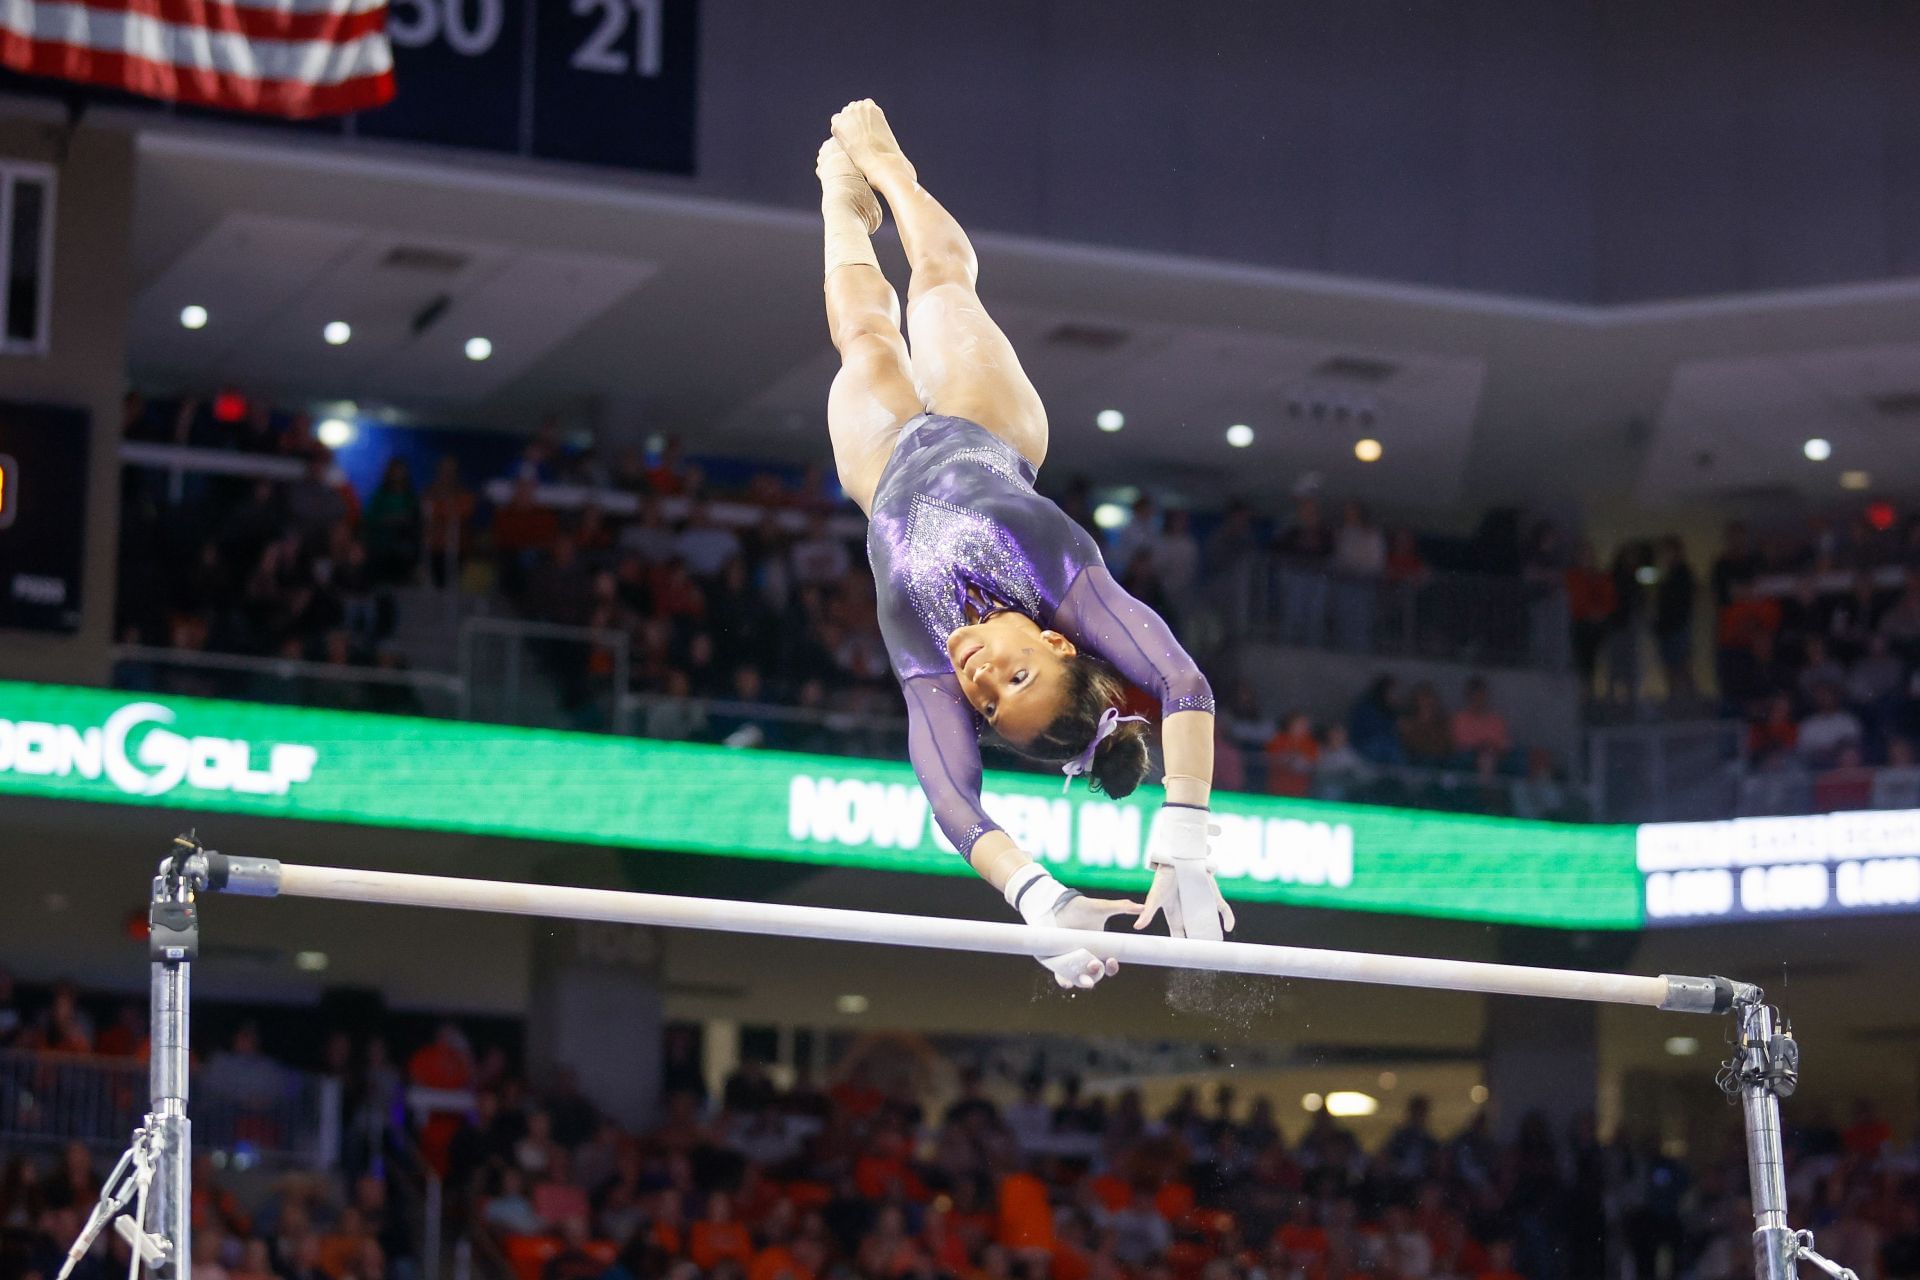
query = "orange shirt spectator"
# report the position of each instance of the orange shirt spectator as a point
(776, 1262)
(1291, 754)
(884, 1172)
(710, 1243)
(1026, 1219)
(719, 1236)
(445, 1062)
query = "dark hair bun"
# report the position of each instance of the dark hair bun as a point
(1121, 762)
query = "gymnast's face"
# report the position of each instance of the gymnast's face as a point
(1013, 673)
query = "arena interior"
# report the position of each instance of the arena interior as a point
(415, 457)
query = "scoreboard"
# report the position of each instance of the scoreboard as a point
(595, 82)
(43, 515)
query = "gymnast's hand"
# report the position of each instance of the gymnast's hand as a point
(1184, 888)
(1045, 903)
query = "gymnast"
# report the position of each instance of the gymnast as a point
(998, 612)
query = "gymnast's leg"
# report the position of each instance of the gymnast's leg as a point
(873, 395)
(962, 363)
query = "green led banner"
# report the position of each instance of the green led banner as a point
(387, 771)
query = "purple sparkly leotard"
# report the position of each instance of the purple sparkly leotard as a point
(955, 513)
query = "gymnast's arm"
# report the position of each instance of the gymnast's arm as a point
(944, 745)
(1097, 612)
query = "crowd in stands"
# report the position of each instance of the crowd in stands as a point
(743, 598)
(300, 568)
(1029, 1180)
(1396, 746)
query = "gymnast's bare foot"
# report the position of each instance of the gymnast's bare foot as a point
(842, 183)
(862, 129)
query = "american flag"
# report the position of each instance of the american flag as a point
(291, 58)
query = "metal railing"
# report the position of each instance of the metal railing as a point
(287, 681)
(864, 732)
(1686, 771)
(1483, 619)
(515, 671)
(57, 1098)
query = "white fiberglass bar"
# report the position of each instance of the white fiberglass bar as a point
(264, 878)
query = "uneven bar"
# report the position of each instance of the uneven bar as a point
(265, 878)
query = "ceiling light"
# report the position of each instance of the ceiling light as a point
(1367, 450)
(1239, 435)
(1109, 420)
(1856, 480)
(1646, 575)
(1477, 1094)
(1111, 515)
(852, 1003)
(1682, 1046)
(1312, 1102)
(336, 433)
(479, 348)
(337, 333)
(310, 961)
(1349, 1102)
(1817, 450)
(193, 317)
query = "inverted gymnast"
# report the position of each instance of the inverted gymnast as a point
(998, 612)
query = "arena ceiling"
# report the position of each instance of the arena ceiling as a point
(647, 311)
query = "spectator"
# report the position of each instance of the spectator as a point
(442, 1069)
(319, 500)
(1900, 624)
(1358, 562)
(556, 1198)
(1373, 724)
(1540, 794)
(1736, 567)
(1625, 624)
(393, 525)
(1818, 667)
(669, 476)
(1411, 1150)
(1247, 724)
(1341, 771)
(1673, 619)
(1591, 601)
(1426, 739)
(508, 1210)
(1478, 726)
(522, 529)
(573, 1261)
(1405, 565)
(1544, 574)
(820, 559)
(705, 545)
(1828, 730)
(1176, 559)
(1030, 1120)
(1292, 755)
(1303, 548)
(1140, 534)
(1775, 734)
